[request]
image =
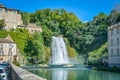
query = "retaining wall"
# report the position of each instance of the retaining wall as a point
(18, 73)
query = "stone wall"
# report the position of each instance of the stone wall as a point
(21, 74)
(12, 17)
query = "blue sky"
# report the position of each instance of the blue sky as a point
(85, 10)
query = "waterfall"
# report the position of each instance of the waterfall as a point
(59, 51)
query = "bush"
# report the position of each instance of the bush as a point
(104, 68)
(16, 63)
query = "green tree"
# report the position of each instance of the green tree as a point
(114, 17)
(25, 18)
(34, 47)
(47, 36)
(2, 24)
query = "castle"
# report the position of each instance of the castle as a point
(12, 17)
(13, 20)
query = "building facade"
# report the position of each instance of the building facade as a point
(32, 28)
(13, 20)
(12, 17)
(114, 45)
(7, 50)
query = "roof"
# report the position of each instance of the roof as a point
(11, 9)
(29, 26)
(3, 40)
(25, 26)
(114, 26)
(2, 6)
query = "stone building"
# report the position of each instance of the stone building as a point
(12, 17)
(13, 20)
(7, 50)
(114, 45)
(32, 28)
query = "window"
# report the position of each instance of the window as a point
(10, 46)
(1, 45)
(32, 30)
(9, 53)
(111, 52)
(112, 42)
(0, 9)
(117, 41)
(6, 10)
(10, 49)
(14, 12)
(112, 32)
(1, 53)
(117, 51)
(117, 30)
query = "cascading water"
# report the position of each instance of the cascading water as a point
(59, 52)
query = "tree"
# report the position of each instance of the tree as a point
(2, 24)
(34, 47)
(113, 18)
(47, 36)
(25, 18)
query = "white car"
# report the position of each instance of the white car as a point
(3, 73)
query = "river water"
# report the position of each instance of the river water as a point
(74, 74)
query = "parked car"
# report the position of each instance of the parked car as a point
(7, 67)
(3, 73)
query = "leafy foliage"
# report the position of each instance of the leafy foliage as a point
(47, 36)
(20, 36)
(34, 47)
(96, 56)
(25, 18)
(2, 24)
(3, 34)
(85, 38)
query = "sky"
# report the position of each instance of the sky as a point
(85, 10)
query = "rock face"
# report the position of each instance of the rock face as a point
(59, 52)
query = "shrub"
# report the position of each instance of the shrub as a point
(16, 63)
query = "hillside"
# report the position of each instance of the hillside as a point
(83, 38)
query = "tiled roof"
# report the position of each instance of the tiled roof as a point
(2, 40)
(25, 26)
(29, 26)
